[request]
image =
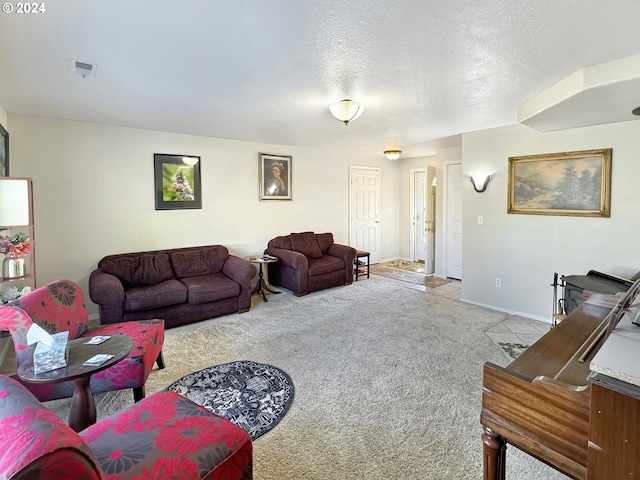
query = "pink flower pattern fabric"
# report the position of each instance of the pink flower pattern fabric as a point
(164, 436)
(60, 306)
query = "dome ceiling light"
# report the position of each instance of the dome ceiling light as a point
(346, 110)
(392, 155)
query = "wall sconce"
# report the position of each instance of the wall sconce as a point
(484, 186)
(392, 155)
(346, 110)
(190, 160)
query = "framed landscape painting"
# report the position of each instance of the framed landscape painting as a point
(275, 176)
(4, 152)
(177, 182)
(574, 184)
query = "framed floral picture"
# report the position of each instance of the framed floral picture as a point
(275, 176)
(4, 152)
(177, 181)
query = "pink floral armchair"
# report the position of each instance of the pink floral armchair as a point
(164, 436)
(60, 306)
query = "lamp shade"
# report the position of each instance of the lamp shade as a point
(392, 154)
(346, 110)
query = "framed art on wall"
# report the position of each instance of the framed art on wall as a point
(574, 184)
(4, 152)
(275, 176)
(177, 181)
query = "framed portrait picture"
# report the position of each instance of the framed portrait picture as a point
(4, 152)
(275, 176)
(177, 181)
(574, 184)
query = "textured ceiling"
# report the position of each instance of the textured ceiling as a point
(266, 70)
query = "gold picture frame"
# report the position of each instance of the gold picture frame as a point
(576, 184)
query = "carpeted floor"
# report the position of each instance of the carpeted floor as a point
(411, 272)
(388, 382)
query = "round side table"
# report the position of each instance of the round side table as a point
(261, 285)
(83, 407)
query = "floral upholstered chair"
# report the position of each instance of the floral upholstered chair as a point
(60, 306)
(164, 436)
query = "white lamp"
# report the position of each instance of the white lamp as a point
(392, 155)
(346, 110)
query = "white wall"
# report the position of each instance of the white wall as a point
(94, 194)
(525, 250)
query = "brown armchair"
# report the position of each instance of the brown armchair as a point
(309, 261)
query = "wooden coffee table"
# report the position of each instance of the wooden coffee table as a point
(83, 407)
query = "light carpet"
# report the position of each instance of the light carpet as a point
(388, 382)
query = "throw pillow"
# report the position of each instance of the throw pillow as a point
(306, 244)
(199, 261)
(325, 240)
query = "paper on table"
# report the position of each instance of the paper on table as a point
(38, 334)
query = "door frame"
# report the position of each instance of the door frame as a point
(412, 213)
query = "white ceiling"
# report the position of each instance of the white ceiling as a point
(266, 70)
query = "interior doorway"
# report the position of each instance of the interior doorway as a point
(364, 210)
(423, 210)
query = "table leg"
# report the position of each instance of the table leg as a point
(83, 407)
(261, 286)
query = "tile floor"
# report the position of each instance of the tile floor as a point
(515, 331)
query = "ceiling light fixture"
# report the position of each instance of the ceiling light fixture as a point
(392, 155)
(346, 110)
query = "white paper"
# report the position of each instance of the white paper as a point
(38, 334)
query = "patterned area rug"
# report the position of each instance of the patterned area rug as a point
(412, 272)
(254, 396)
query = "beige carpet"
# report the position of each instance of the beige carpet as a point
(388, 382)
(411, 272)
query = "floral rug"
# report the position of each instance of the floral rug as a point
(254, 396)
(412, 272)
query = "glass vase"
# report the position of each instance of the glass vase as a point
(14, 267)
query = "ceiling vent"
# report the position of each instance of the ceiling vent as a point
(84, 68)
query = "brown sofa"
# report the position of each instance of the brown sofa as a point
(181, 285)
(309, 261)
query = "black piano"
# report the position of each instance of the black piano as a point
(593, 281)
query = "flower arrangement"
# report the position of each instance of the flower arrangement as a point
(17, 245)
(12, 293)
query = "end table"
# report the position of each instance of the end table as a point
(261, 285)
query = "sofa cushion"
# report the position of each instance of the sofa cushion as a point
(210, 288)
(162, 294)
(283, 242)
(140, 270)
(200, 261)
(325, 264)
(306, 244)
(325, 240)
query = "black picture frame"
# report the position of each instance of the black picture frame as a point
(177, 181)
(4, 152)
(274, 187)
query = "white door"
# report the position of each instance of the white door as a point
(419, 216)
(364, 206)
(454, 221)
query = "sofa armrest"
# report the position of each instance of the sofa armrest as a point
(290, 258)
(107, 291)
(348, 254)
(242, 272)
